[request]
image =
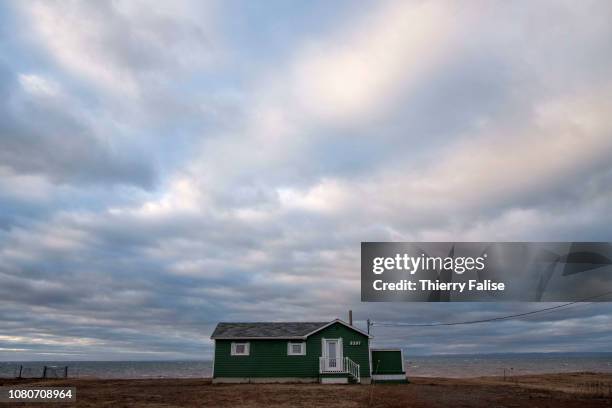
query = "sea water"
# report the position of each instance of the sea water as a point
(428, 366)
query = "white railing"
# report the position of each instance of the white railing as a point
(352, 368)
(331, 365)
(339, 365)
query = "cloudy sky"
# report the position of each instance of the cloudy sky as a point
(167, 165)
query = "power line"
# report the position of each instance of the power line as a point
(402, 324)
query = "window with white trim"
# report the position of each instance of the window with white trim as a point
(240, 349)
(296, 349)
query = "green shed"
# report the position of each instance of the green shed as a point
(388, 365)
(328, 352)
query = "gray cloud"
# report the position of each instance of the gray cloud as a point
(147, 198)
(43, 132)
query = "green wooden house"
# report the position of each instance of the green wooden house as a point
(327, 352)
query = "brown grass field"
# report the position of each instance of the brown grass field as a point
(580, 390)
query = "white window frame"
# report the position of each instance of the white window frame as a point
(290, 345)
(247, 348)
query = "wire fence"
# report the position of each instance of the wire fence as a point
(34, 371)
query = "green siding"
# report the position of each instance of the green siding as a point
(387, 362)
(359, 354)
(268, 358)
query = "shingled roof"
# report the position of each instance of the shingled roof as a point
(285, 330)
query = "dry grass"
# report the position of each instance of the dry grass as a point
(588, 384)
(553, 390)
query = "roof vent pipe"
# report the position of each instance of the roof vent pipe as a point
(351, 317)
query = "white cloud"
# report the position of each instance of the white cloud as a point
(327, 148)
(345, 79)
(117, 45)
(498, 166)
(39, 86)
(327, 197)
(358, 72)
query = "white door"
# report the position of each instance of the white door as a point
(333, 355)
